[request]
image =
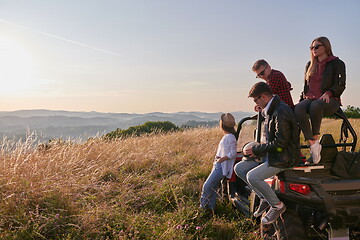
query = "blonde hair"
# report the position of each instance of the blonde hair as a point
(313, 60)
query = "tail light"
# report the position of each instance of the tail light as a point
(299, 188)
(280, 186)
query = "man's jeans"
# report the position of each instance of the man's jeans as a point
(210, 187)
(254, 174)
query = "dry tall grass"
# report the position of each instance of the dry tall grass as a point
(136, 188)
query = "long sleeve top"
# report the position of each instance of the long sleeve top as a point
(280, 86)
(227, 147)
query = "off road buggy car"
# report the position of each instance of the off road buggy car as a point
(320, 205)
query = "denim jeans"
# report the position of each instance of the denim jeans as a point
(254, 174)
(210, 187)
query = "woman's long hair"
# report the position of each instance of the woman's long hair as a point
(313, 60)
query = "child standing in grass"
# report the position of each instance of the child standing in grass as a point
(223, 162)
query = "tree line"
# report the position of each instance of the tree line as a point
(146, 128)
(167, 126)
(352, 112)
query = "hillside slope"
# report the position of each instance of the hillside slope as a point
(136, 188)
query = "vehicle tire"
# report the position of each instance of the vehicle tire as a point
(289, 225)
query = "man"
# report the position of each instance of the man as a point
(281, 150)
(275, 79)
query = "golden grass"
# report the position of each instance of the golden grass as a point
(135, 188)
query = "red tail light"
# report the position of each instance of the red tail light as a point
(300, 188)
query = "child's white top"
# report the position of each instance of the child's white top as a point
(227, 147)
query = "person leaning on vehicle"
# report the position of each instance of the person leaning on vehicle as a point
(275, 79)
(281, 150)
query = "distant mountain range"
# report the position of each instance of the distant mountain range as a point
(68, 124)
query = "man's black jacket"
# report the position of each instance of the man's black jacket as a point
(283, 144)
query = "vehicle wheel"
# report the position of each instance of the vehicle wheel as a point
(288, 226)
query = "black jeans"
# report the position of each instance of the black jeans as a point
(309, 114)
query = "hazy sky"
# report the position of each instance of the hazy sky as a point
(142, 56)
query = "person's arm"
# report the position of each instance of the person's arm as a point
(276, 82)
(222, 159)
(230, 145)
(339, 83)
(282, 136)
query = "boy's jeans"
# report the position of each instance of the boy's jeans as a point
(254, 174)
(210, 187)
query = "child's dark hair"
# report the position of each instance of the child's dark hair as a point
(229, 129)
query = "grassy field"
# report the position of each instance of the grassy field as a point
(136, 188)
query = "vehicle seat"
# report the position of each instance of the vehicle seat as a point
(328, 151)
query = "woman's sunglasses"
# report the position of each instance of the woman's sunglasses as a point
(316, 47)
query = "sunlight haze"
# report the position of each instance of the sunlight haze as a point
(163, 56)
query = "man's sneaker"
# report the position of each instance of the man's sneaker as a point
(315, 151)
(273, 214)
(263, 206)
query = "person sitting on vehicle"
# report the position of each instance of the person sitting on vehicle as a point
(281, 150)
(223, 162)
(275, 79)
(324, 83)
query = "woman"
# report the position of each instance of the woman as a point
(223, 163)
(324, 83)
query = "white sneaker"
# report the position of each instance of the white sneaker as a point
(315, 151)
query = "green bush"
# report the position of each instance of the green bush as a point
(146, 128)
(352, 112)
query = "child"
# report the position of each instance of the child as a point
(223, 163)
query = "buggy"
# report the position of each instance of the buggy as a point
(320, 205)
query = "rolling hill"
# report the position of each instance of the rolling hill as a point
(50, 124)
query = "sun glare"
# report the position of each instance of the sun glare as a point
(16, 68)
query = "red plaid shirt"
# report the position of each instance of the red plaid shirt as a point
(280, 86)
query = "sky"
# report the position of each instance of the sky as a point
(141, 56)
